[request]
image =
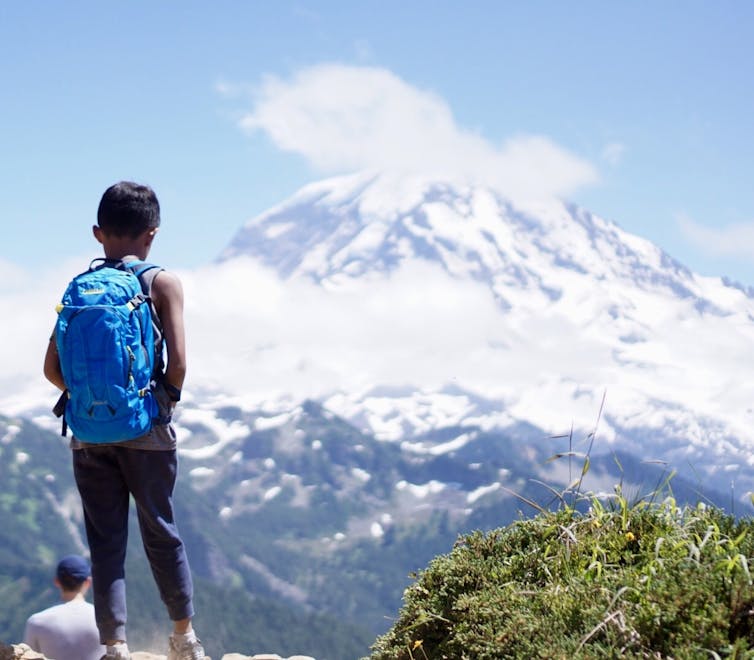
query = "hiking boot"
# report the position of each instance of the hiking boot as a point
(185, 649)
(116, 652)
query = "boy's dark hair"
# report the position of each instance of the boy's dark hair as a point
(128, 209)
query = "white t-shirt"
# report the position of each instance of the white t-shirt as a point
(65, 632)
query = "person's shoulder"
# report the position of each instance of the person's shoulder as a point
(167, 283)
(166, 288)
(35, 619)
(42, 617)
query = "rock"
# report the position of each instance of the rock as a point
(18, 652)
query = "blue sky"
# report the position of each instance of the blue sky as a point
(641, 112)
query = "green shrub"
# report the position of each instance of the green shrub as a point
(648, 580)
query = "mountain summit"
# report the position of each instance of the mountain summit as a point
(360, 224)
(581, 308)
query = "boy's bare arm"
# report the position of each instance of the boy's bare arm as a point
(51, 369)
(167, 294)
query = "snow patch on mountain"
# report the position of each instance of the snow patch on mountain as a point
(480, 492)
(209, 445)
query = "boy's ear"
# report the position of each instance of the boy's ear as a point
(149, 235)
(98, 233)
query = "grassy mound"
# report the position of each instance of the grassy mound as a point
(648, 580)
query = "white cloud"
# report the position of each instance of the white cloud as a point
(250, 332)
(613, 152)
(345, 118)
(262, 339)
(734, 240)
(11, 275)
(32, 295)
(225, 88)
(363, 49)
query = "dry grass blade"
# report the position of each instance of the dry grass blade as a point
(556, 493)
(591, 441)
(531, 503)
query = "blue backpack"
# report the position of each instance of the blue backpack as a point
(105, 336)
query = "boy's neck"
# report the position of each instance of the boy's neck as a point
(118, 248)
(128, 256)
(122, 247)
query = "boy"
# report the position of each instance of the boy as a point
(128, 219)
(67, 631)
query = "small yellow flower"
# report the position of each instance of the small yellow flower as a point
(418, 643)
(630, 536)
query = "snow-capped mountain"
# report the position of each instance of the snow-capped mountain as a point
(566, 308)
(408, 305)
(533, 253)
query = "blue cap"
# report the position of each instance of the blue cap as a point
(74, 567)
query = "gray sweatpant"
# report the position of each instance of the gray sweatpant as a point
(106, 476)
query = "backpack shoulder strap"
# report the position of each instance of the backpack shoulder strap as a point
(102, 262)
(145, 272)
